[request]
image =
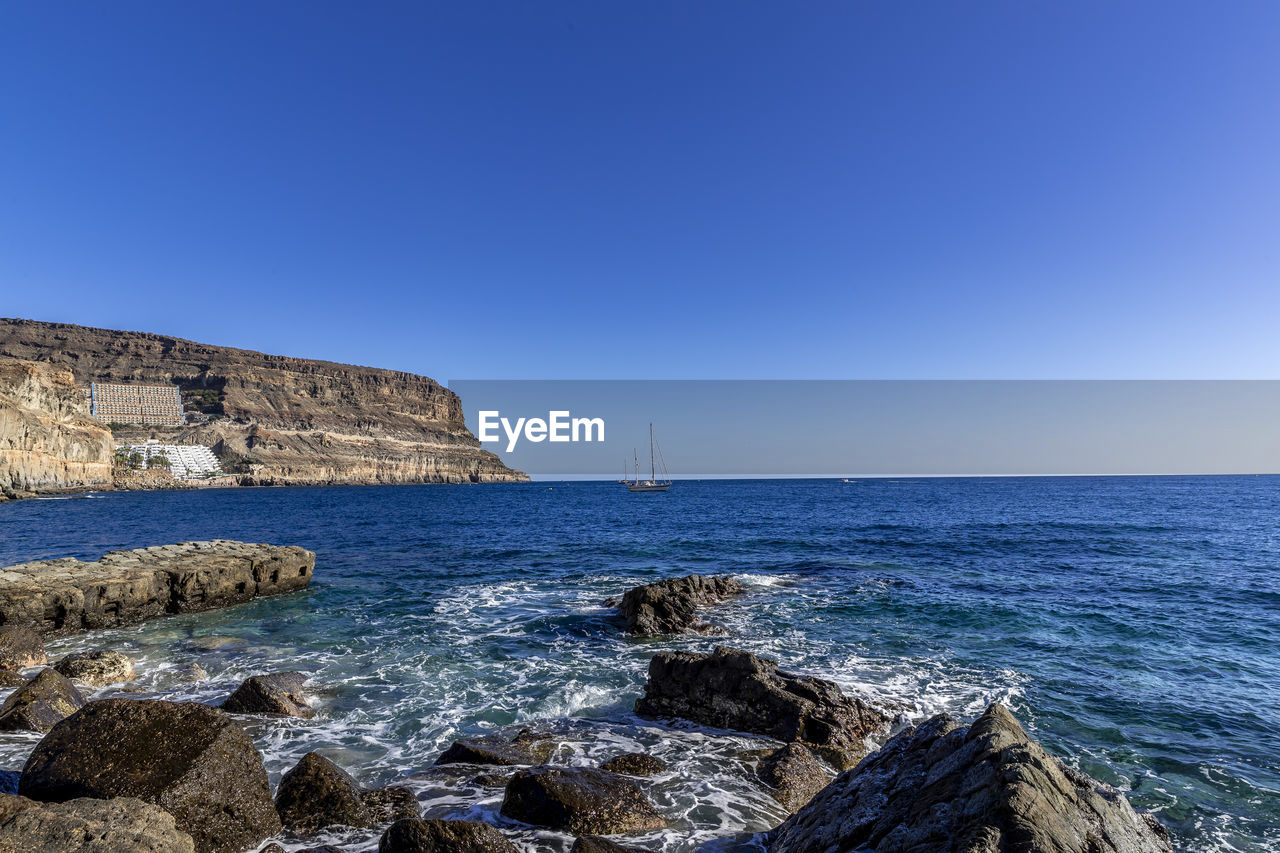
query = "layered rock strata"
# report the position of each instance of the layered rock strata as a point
(48, 441)
(984, 788)
(124, 587)
(283, 421)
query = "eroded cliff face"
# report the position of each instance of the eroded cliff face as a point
(290, 421)
(48, 441)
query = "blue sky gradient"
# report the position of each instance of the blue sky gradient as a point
(655, 190)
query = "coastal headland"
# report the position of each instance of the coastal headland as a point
(271, 420)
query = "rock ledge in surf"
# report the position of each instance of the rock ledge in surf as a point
(733, 689)
(670, 606)
(984, 788)
(125, 587)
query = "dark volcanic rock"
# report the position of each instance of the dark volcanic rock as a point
(634, 764)
(793, 774)
(120, 825)
(391, 803)
(581, 800)
(40, 703)
(20, 647)
(281, 693)
(525, 748)
(317, 793)
(596, 844)
(670, 606)
(985, 788)
(97, 668)
(733, 689)
(443, 836)
(193, 761)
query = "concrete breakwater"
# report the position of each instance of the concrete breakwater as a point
(68, 595)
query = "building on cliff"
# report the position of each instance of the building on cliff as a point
(186, 461)
(154, 405)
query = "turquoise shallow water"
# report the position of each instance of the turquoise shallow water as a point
(1133, 624)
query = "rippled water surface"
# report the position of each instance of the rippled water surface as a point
(1133, 624)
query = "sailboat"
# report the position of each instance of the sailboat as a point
(653, 484)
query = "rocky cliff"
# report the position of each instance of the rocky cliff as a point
(279, 420)
(47, 439)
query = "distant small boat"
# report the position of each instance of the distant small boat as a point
(653, 484)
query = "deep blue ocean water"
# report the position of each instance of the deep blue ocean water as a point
(1133, 624)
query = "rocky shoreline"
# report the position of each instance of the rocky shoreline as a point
(150, 774)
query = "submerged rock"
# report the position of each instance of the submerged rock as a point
(670, 606)
(580, 800)
(984, 788)
(97, 668)
(41, 703)
(443, 836)
(20, 647)
(317, 793)
(120, 825)
(526, 748)
(634, 764)
(596, 844)
(189, 759)
(733, 689)
(793, 775)
(391, 803)
(279, 693)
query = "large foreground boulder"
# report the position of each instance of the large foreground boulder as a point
(40, 703)
(984, 788)
(793, 775)
(279, 693)
(580, 800)
(191, 760)
(443, 836)
(317, 793)
(526, 748)
(670, 606)
(97, 668)
(733, 689)
(20, 647)
(121, 825)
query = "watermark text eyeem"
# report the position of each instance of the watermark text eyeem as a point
(558, 426)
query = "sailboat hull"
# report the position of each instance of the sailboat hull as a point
(648, 487)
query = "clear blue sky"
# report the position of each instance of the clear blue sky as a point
(675, 190)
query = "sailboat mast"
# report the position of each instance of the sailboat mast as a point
(653, 475)
(636, 458)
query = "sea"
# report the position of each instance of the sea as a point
(1131, 623)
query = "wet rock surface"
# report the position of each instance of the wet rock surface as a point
(526, 748)
(733, 689)
(125, 587)
(391, 804)
(20, 647)
(191, 760)
(670, 606)
(580, 800)
(634, 764)
(40, 703)
(793, 774)
(317, 793)
(97, 668)
(984, 788)
(443, 836)
(279, 693)
(120, 825)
